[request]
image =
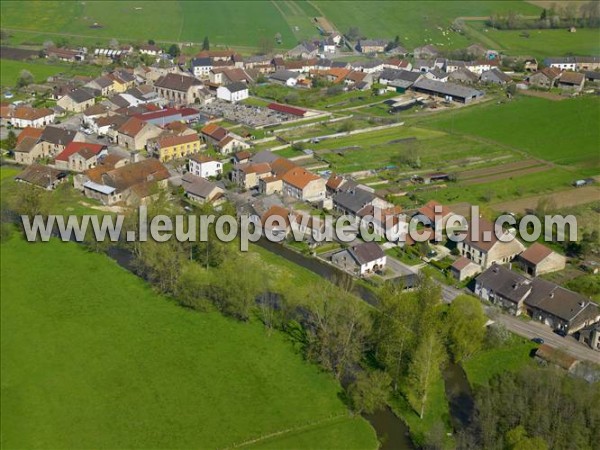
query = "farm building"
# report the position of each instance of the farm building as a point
(572, 81)
(449, 91)
(287, 109)
(539, 259)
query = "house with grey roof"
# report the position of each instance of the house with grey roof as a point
(199, 189)
(495, 76)
(361, 259)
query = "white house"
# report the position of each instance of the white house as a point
(201, 67)
(233, 92)
(285, 77)
(24, 116)
(361, 259)
(205, 166)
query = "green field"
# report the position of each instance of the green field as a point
(93, 364)
(541, 43)
(563, 132)
(416, 23)
(236, 23)
(508, 357)
(10, 70)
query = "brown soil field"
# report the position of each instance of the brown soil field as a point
(503, 175)
(477, 173)
(563, 199)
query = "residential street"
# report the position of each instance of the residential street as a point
(531, 329)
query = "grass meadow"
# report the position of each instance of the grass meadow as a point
(10, 70)
(541, 43)
(414, 22)
(562, 132)
(88, 363)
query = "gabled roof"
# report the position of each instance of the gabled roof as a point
(279, 212)
(80, 95)
(451, 89)
(26, 144)
(236, 87)
(78, 147)
(299, 177)
(461, 263)
(557, 300)
(28, 113)
(215, 131)
(536, 253)
(176, 82)
(428, 210)
(571, 78)
(284, 75)
(146, 171)
(169, 141)
(132, 127)
(508, 284)
(39, 175)
(366, 252)
(56, 135)
(30, 132)
(197, 186)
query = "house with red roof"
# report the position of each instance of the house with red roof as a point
(135, 133)
(304, 185)
(79, 156)
(171, 146)
(539, 259)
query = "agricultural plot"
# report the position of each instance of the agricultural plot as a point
(564, 133)
(86, 363)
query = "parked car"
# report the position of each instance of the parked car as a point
(562, 333)
(538, 340)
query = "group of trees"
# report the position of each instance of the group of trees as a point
(572, 14)
(535, 408)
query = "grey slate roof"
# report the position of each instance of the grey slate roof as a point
(506, 283)
(81, 95)
(353, 200)
(556, 300)
(196, 185)
(236, 87)
(451, 89)
(284, 75)
(57, 135)
(366, 252)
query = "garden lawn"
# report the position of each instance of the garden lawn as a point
(506, 358)
(92, 357)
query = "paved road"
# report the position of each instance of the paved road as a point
(527, 329)
(531, 329)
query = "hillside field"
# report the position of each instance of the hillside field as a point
(243, 24)
(93, 364)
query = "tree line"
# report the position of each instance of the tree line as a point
(586, 15)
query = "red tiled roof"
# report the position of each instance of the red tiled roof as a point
(536, 253)
(132, 127)
(169, 141)
(287, 109)
(77, 147)
(31, 132)
(299, 177)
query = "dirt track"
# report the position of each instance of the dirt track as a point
(570, 197)
(505, 175)
(507, 167)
